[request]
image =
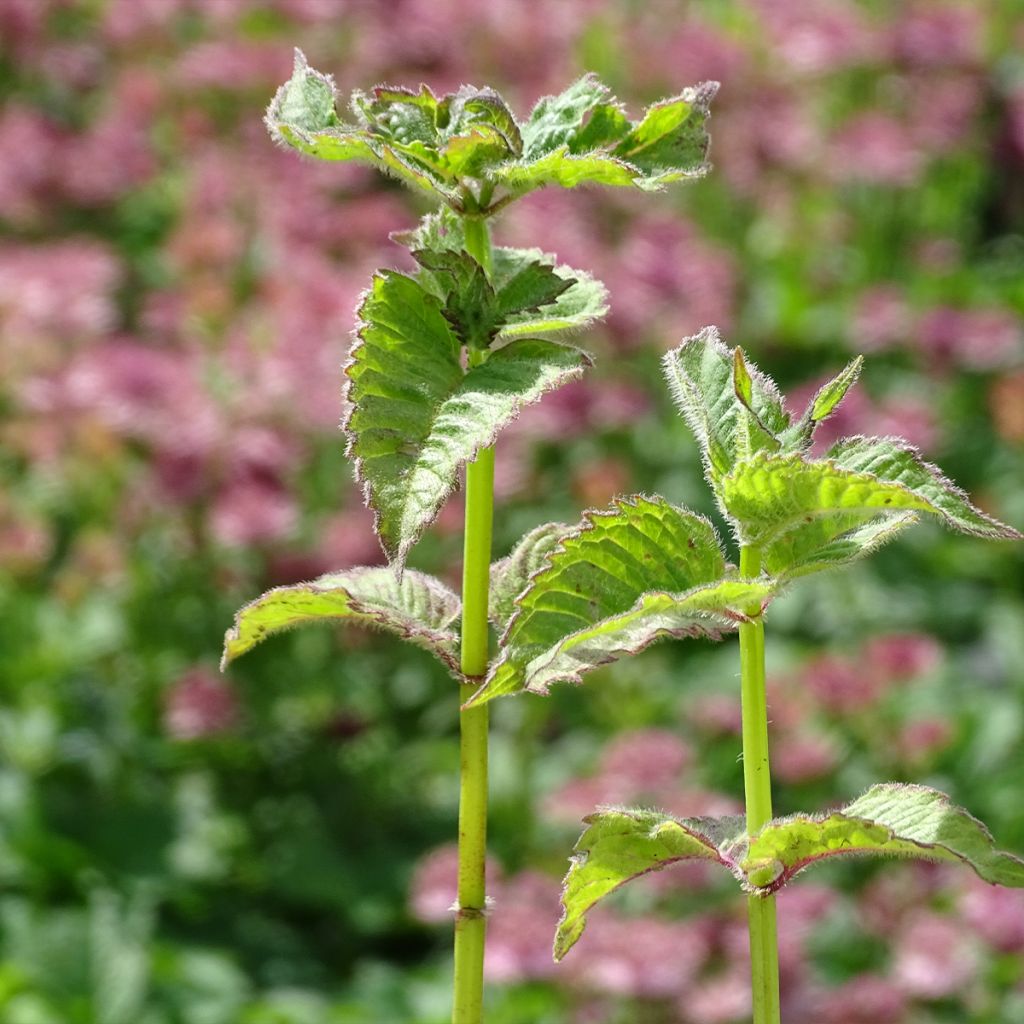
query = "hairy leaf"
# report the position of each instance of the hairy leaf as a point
(450, 144)
(767, 496)
(620, 845)
(416, 418)
(896, 462)
(730, 406)
(416, 607)
(822, 405)
(510, 575)
(627, 576)
(888, 820)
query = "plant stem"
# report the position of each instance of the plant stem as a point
(470, 922)
(757, 784)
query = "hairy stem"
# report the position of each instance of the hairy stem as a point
(470, 922)
(757, 784)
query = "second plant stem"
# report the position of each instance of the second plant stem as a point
(757, 785)
(470, 920)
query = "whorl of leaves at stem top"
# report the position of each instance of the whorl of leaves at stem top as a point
(467, 148)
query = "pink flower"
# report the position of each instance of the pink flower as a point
(646, 759)
(994, 914)
(901, 656)
(881, 320)
(934, 958)
(979, 339)
(875, 148)
(866, 999)
(519, 930)
(939, 35)
(801, 757)
(717, 713)
(253, 512)
(840, 685)
(724, 998)
(200, 703)
(921, 739)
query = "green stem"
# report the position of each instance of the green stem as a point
(470, 922)
(757, 784)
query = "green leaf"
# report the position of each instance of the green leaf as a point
(555, 121)
(888, 820)
(823, 544)
(728, 404)
(566, 169)
(582, 301)
(620, 845)
(822, 405)
(305, 101)
(671, 141)
(469, 302)
(416, 417)
(626, 577)
(769, 495)
(896, 462)
(416, 607)
(510, 575)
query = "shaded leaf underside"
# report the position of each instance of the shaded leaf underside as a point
(891, 820)
(416, 607)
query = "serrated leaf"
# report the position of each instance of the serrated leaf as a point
(416, 418)
(556, 120)
(451, 144)
(701, 375)
(894, 461)
(818, 547)
(416, 607)
(624, 578)
(469, 301)
(620, 845)
(670, 141)
(767, 496)
(888, 820)
(583, 301)
(510, 575)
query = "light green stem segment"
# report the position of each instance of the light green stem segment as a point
(757, 784)
(470, 922)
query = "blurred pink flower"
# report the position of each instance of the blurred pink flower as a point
(646, 759)
(723, 998)
(934, 957)
(519, 929)
(900, 656)
(802, 756)
(200, 703)
(882, 319)
(626, 956)
(347, 539)
(875, 148)
(818, 36)
(865, 999)
(840, 685)
(253, 512)
(232, 64)
(29, 168)
(938, 34)
(994, 914)
(716, 713)
(922, 738)
(978, 339)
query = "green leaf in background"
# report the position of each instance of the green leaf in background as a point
(624, 578)
(510, 575)
(727, 402)
(416, 607)
(619, 845)
(416, 418)
(888, 820)
(896, 462)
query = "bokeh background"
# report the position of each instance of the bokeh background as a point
(268, 847)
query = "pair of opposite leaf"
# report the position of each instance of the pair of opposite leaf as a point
(570, 599)
(468, 149)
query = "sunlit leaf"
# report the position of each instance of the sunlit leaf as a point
(510, 575)
(416, 417)
(416, 607)
(626, 577)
